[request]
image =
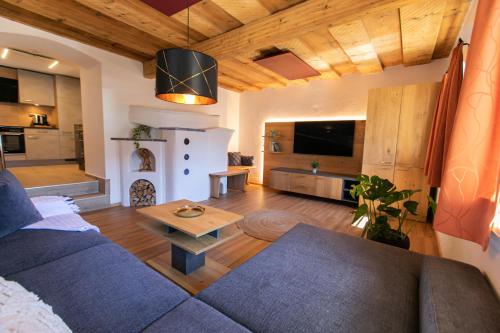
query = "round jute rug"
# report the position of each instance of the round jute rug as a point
(271, 224)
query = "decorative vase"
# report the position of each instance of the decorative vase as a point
(315, 170)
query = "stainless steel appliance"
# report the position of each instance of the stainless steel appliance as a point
(39, 119)
(12, 139)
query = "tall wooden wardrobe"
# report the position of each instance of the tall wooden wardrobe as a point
(398, 125)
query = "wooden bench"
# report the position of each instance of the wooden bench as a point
(236, 179)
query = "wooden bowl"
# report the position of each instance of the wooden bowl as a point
(189, 211)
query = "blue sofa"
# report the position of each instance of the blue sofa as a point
(310, 280)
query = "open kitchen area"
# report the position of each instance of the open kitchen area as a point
(41, 119)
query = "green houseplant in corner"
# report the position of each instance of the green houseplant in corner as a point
(380, 202)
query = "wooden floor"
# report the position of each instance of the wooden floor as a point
(46, 175)
(120, 225)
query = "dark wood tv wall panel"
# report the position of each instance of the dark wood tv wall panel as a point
(287, 159)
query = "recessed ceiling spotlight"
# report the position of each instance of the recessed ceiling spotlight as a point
(4, 53)
(54, 64)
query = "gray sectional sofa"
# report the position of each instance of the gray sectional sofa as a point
(310, 280)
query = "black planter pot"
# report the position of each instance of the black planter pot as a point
(394, 241)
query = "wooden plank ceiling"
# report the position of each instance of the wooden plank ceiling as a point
(335, 37)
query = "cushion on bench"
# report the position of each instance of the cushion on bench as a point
(194, 316)
(25, 249)
(102, 289)
(455, 297)
(312, 280)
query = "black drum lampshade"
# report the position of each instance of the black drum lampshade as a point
(186, 77)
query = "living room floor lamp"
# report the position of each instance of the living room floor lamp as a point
(186, 76)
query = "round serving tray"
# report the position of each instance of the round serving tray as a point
(189, 211)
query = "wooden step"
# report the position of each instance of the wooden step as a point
(70, 190)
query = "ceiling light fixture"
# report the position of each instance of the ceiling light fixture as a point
(4, 53)
(53, 64)
(186, 76)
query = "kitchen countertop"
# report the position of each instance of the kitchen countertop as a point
(41, 127)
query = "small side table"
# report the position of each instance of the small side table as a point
(186, 263)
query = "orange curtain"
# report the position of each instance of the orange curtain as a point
(444, 118)
(470, 181)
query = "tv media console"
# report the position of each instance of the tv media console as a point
(322, 184)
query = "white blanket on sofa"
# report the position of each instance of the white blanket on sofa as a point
(59, 213)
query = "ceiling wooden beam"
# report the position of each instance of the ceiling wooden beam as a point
(244, 11)
(145, 18)
(238, 69)
(306, 54)
(92, 22)
(417, 21)
(325, 46)
(206, 16)
(26, 17)
(384, 30)
(356, 43)
(290, 23)
(227, 80)
(454, 15)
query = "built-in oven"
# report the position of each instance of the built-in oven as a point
(12, 139)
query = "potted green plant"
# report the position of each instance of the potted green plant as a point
(139, 132)
(380, 202)
(314, 166)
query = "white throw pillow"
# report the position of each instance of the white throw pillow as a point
(22, 311)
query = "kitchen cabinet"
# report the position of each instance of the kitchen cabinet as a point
(69, 113)
(68, 103)
(35, 88)
(41, 144)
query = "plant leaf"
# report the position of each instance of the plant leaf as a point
(411, 206)
(394, 212)
(432, 204)
(361, 211)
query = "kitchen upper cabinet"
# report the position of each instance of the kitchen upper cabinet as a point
(35, 88)
(68, 104)
(415, 123)
(41, 144)
(382, 121)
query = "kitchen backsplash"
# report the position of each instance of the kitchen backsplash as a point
(18, 114)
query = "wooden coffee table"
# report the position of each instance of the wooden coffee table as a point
(186, 263)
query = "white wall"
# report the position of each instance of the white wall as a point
(344, 98)
(110, 83)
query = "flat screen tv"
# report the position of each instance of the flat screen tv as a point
(333, 138)
(8, 90)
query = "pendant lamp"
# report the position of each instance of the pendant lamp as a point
(186, 76)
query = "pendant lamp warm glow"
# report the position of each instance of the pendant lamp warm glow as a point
(186, 77)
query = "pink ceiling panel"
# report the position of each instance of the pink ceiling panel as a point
(288, 65)
(170, 7)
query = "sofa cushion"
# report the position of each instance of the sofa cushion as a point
(16, 209)
(313, 280)
(455, 297)
(233, 158)
(194, 316)
(102, 289)
(25, 249)
(246, 160)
